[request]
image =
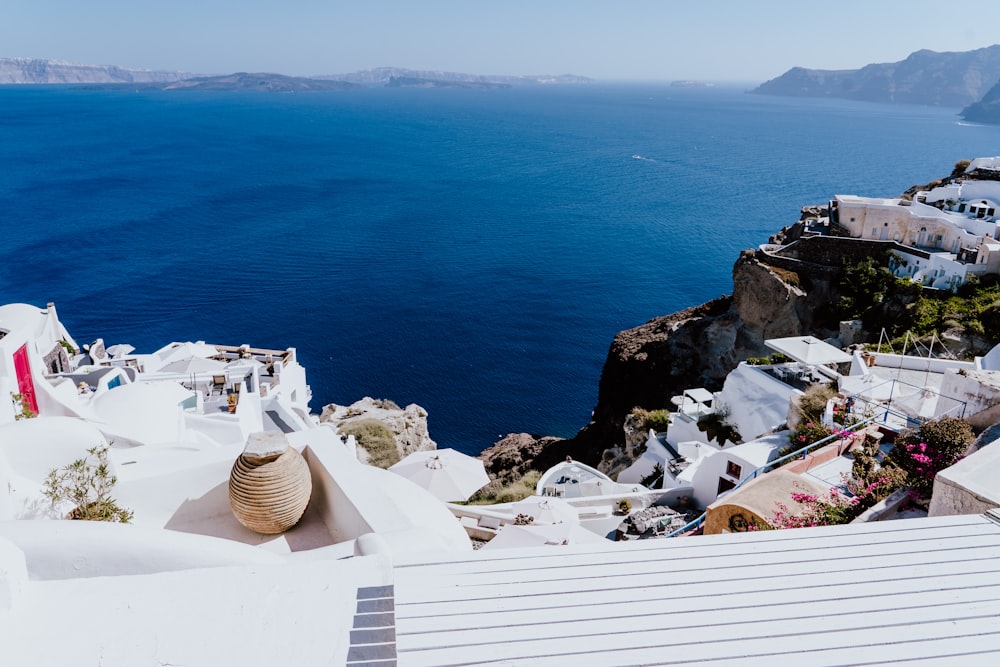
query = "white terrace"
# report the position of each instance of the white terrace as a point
(924, 591)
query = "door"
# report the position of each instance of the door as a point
(25, 385)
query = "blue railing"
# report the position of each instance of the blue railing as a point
(770, 465)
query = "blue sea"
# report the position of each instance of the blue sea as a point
(473, 251)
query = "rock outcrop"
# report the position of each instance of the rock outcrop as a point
(517, 453)
(408, 425)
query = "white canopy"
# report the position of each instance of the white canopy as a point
(448, 474)
(808, 350)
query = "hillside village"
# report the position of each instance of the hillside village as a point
(234, 510)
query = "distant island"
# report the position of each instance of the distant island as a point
(685, 83)
(44, 71)
(274, 83)
(413, 82)
(952, 79)
(383, 76)
(37, 71)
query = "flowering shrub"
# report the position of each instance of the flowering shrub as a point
(804, 434)
(835, 507)
(808, 433)
(923, 453)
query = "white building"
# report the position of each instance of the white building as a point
(951, 230)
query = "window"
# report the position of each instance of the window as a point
(852, 219)
(874, 232)
(734, 470)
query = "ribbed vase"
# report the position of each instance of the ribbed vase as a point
(270, 497)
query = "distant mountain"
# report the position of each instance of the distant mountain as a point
(383, 75)
(952, 79)
(986, 110)
(43, 71)
(272, 83)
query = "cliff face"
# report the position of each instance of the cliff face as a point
(925, 77)
(649, 364)
(41, 71)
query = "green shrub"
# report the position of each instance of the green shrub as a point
(498, 492)
(88, 488)
(812, 402)
(21, 409)
(658, 420)
(376, 439)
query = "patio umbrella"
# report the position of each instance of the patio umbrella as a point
(446, 473)
(870, 387)
(554, 534)
(193, 365)
(808, 350)
(119, 350)
(544, 509)
(188, 350)
(921, 404)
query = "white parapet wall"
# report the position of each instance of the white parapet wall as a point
(971, 486)
(277, 613)
(906, 362)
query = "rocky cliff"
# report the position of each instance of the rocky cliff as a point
(953, 79)
(41, 71)
(649, 364)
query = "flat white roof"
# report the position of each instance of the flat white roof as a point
(868, 594)
(699, 394)
(808, 350)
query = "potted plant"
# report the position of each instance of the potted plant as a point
(233, 400)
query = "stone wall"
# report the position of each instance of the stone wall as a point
(835, 251)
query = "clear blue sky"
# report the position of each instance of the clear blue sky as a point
(719, 40)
